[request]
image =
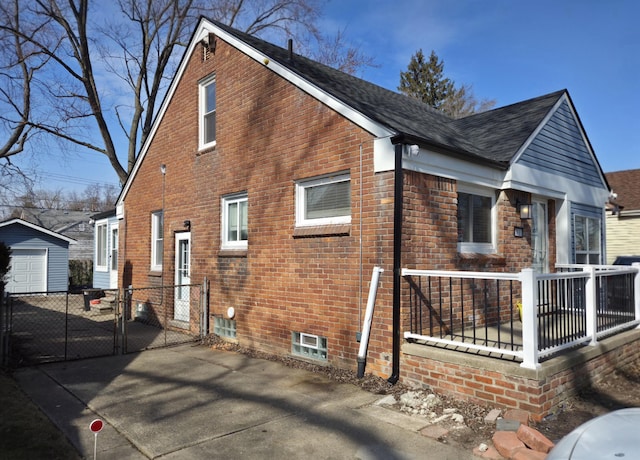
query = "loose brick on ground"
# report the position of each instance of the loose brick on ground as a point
(520, 415)
(534, 439)
(507, 442)
(528, 454)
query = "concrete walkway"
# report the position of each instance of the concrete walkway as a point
(191, 402)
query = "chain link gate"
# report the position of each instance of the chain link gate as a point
(44, 327)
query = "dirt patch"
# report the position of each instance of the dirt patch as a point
(619, 390)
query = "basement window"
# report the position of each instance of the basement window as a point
(309, 346)
(223, 327)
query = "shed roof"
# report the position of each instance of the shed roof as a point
(38, 228)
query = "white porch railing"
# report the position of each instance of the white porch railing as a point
(526, 316)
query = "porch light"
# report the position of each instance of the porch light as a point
(524, 209)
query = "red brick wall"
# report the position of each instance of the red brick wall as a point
(269, 134)
(503, 386)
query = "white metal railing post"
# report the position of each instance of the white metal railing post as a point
(530, 352)
(591, 303)
(636, 290)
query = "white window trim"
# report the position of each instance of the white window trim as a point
(202, 107)
(481, 248)
(588, 252)
(225, 202)
(154, 230)
(301, 203)
(104, 250)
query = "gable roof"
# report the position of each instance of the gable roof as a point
(626, 184)
(38, 229)
(57, 220)
(493, 138)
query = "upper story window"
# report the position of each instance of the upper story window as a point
(101, 246)
(324, 200)
(476, 220)
(157, 240)
(208, 112)
(235, 221)
(587, 240)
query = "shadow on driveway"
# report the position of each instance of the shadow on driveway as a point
(194, 402)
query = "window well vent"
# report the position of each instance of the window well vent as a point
(309, 345)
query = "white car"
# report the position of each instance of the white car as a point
(611, 436)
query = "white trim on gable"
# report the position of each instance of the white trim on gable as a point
(39, 229)
(560, 102)
(204, 28)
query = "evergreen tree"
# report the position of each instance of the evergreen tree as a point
(425, 81)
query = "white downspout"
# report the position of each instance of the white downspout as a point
(368, 316)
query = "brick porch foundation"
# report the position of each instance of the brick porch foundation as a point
(499, 383)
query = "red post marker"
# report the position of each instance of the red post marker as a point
(95, 428)
(96, 425)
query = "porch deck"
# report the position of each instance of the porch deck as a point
(527, 340)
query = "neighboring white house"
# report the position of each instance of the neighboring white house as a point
(623, 218)
(105, 255)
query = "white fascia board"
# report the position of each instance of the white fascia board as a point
(451, 167)
(39, 229)
(539, 128)
(351, 114)
(539, 182)
(383, 154)
(204, 28)
(543, 123)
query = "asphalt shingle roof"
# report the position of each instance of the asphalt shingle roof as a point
(494, 136)
(626, 184)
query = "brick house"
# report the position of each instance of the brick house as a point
(284, 182)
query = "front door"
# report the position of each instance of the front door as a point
(182, 277)
(539, 236)
(113, 270)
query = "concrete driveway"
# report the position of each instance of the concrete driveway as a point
(191, 402)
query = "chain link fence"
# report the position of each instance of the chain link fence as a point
(46, 327)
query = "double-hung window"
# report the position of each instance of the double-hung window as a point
(324, 201)
(235, 221)
(101, 246)
(476, 217)
(587, 240)
(157, 240)
(208, 112)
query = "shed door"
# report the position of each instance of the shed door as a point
(28, 271)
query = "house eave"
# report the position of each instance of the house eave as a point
(404, 138)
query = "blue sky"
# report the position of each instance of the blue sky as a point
(508, 50)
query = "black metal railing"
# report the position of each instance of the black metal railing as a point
(479, 312)
(528, 315)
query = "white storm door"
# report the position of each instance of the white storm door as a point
(113, 262)
(539, 237)
(182, 277)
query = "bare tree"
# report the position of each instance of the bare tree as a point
(17, 73)
(135, 45)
